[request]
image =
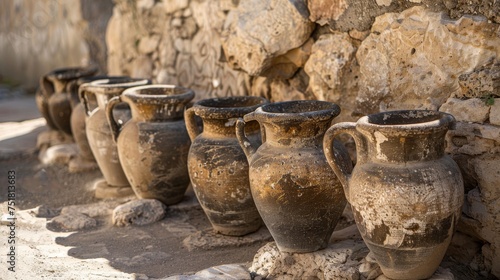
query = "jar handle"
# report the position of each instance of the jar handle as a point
(248, 147)
(335, 159)
(82, 94)
(115, 127)
(192, 128)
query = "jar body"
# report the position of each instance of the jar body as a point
(407, 213)
(218, 169)
(154, 158)
(103, 147)
(297, 194)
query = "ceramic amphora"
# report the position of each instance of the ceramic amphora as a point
(218, 167)
(85, 159)
(153, 146)
(55, 100)
(406, 193)
(297, 194)
(99, 134)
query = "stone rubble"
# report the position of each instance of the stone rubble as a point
(138, 212)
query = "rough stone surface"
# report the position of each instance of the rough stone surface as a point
(469, 110)
(330, 60)
(209, 240)
(323, 11)
(172, 6)
(348, 259)
(74, 222)
(473, 139)
(148, 45)
(334, 262)
(259, 31)
(139, 212)
(399, 72)
(226, 271)
(481, 82)
(495, 112)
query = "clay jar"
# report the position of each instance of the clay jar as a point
(218, 166)
(153, 146)
(57, 93)
(85, 159)
(405, 193)
(99, 134)
(298, 196)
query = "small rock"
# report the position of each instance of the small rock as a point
(59, 154)
(43, 211)
(139, 212)
(74, 222)
(469, 110)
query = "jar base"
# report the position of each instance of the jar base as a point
(79, 164)
(104, 190)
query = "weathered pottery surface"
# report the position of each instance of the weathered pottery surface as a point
(153, 146)
(57, 91)
(218, 167)
(406, 194)
(78, 121)
(98, 132)
(298, 196)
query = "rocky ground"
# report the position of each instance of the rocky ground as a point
(63, 232)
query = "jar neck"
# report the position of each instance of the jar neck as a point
(406, 148)
(298, 134)
(226, 127)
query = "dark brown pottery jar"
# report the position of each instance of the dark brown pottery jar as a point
(85, 159)
(60, 100)
(218, 167)
(99, 134)
(406, 193)
(153, 146)
(297, 194)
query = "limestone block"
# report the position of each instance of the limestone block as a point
(139, 212)
(59, 154)
(473, 139)
(412, 60)
(481, 82)
(142, 67)
(326, 67)
(334, 262)
(74, 222)
(495, 112)
(323, 11)
(488, 172)
(149, 44)
(259, 31)
(469, 110)
(172, 6)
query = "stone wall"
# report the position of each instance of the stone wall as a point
(39, 36)
(367, 56)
